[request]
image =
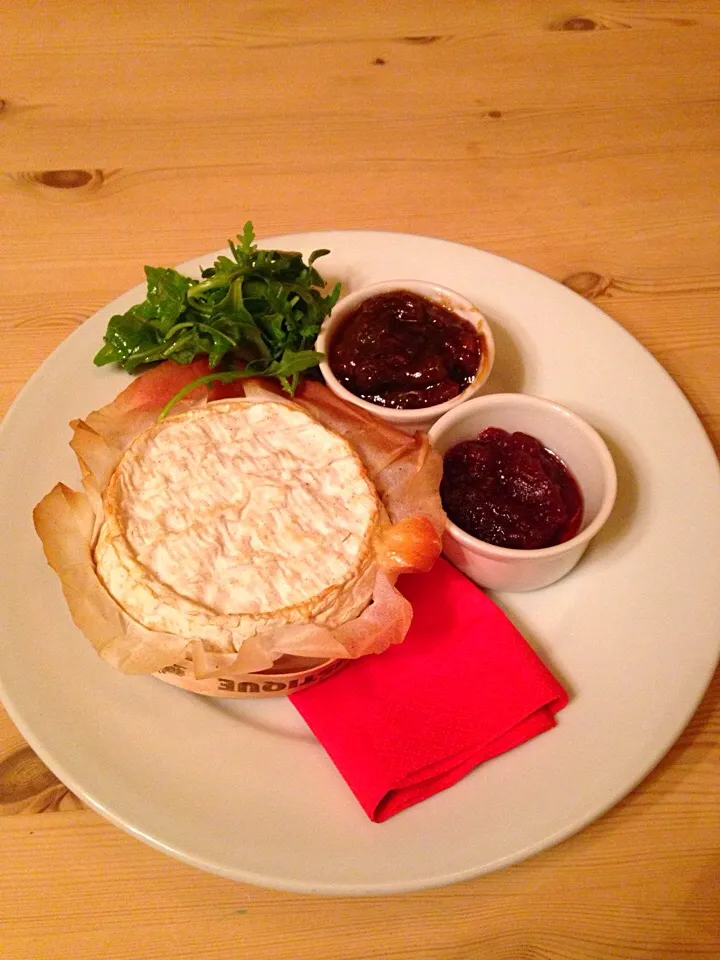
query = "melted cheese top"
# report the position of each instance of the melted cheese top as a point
(235, 517)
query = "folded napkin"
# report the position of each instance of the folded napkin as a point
(463, 687)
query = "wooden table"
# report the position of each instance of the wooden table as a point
(581, 140)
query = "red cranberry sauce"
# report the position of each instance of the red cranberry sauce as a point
(509, 490)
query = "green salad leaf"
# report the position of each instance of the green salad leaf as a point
(254, 313)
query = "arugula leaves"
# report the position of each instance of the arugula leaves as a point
(261, 309)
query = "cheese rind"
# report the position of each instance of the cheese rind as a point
(237, 517)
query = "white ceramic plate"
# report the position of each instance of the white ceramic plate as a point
(242, 788)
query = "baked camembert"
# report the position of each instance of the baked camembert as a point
(236, 517)
(241, 531)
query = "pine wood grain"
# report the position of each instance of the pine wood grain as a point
(581, 140)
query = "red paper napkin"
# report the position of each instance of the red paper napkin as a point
(463, 687)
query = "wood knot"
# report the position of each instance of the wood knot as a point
(66, 179)
(422, 41)
(579, 23)
(495, 114)
(379, 62)
(27, 786)
(588, 284)
(3, 105)
(64, 186)
(22, 775)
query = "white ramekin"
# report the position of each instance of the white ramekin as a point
(423, 417)
(578, 446)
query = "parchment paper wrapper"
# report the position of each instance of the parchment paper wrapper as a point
(406, 474)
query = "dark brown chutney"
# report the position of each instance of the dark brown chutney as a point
(509, 490)
(402, 350)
